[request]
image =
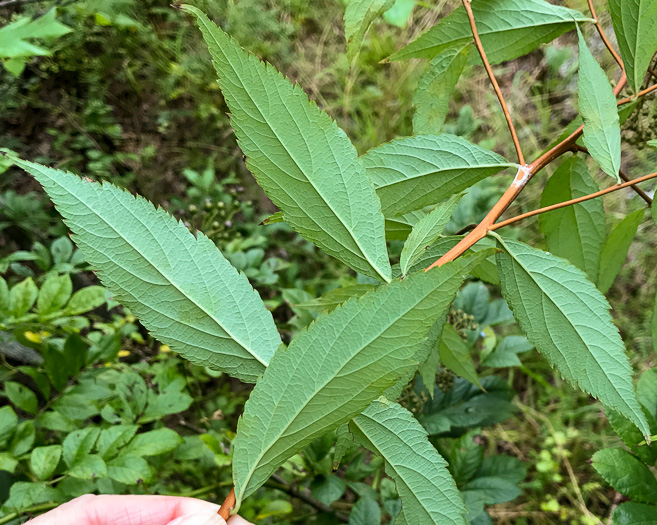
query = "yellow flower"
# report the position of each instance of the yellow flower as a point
(124, 353)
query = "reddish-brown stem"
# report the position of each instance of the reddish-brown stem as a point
(524, 175)
(601, 32)
(637, 190)
(493, 80)
(639, 94)
(571, 202)
(227, 505)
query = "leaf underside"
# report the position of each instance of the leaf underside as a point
(304, 162)
(414, 172)
(336, 367)
(358, 16)
(181, 287)
(568, 321)
(424, 484)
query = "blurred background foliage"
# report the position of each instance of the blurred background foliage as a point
(124, 91)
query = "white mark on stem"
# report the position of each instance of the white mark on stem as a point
(522, 176)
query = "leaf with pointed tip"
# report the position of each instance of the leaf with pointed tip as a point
(426, 232)
(635, 25)
(414, 172)
(398, 228)
(336, 367)
(434, 90)
(180, 286)
(575, 232)
(358, 16)
(304, 162)
(427, 489)
(508, 29)
(567, 319)
(626, 473)
(597, 104)
(615, 248)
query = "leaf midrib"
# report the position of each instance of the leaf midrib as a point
(291, 155)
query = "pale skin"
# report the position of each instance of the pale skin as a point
(135, 510)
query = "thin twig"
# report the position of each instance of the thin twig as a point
(227, 505)
(524, 175)
(284, 486)
(601, 32)
(622, 174)
(493, 80)
(571, 202)
(639, 94)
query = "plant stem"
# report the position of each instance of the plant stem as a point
(493, 80)
(616, 56)
(572, 201)
(639, 94)
(227, 505)
(622, 175)
(524, 175)
(29, 510)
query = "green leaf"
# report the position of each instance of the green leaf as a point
(304, 162)
(330, 300)
(399, 228)
(85, 300)
(54, 294)
(567, 319)
(327, 489)
(597, 105)
(414, 172)
(44, 461)
(129, 469)
(358, 16)
(15, 37)
(635, 25)
(626, 474)
(153, 443)
(208, 312)
(575, 232)
(399, 13)
(506, 353)
(615, 248)
(434, 90)
(8, 423)
(646, 390)
(4, 295)
(426, 232)
(652, 144)
(8, 463)
(22, 296)
(455, 355)
(508, 29)
(23, 438)
(113, 438)
(631, 513)
(22, 397)
(631, 436)
(427, 490)
(366, 511)
(23, 495)
(78, 444)
(89, 467)
(335, 368)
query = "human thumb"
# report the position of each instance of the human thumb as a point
(199, 518)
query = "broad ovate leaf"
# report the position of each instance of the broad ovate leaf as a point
(424, 484)
(635, 25)
(336, 367)
(426, 232)
(304, 162)
(615, 248)
(179, 285)
(575, 232)
(434, 90)
(414, 172)
(358, 16)
(626, 473)
(567, 319)
(508, 29)
(597, 104)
